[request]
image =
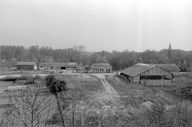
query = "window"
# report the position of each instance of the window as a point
(154, 77)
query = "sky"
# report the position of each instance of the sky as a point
(97, 24)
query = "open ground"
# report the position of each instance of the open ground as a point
(106, 95)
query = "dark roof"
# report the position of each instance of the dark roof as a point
(137, 69)
(140, 68)
(26, 63)
(169, 67)
(100, 65)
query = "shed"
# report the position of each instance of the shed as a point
(26, 66)
(147, 74)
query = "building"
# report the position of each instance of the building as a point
(101, 68)
(69, 66)
(148, 74)
(58, 66)
(26, 66)
(172, 68)
(49, 66)
(81, 68)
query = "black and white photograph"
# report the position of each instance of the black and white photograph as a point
(95, 63)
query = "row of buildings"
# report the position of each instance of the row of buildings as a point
(96, 67)
(147, 74)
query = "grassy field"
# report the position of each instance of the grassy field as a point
(108, 101)
(135, 94)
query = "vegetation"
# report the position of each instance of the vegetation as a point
(27, 108)
(56, 86)
(139, 106)
(119, 60)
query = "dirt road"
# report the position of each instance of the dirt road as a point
(108, 96)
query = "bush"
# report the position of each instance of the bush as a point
(54, 120)
(157, 116)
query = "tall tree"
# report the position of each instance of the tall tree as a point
(56, 86)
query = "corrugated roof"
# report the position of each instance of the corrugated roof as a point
(100, 65)
(26, 63)
(137, 69)
(169, 67)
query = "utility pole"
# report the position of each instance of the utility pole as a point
(74, 100)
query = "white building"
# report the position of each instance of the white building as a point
(101, 68)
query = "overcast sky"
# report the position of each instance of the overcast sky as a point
(97, 24)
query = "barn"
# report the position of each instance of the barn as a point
(101, 68)
(28, 66)
(148, 74)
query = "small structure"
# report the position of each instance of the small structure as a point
(28, 66)
(81, 68)
(147, 74)
(58, 66)
(69, 66)
(101, 68)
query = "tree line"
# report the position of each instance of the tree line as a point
(118, 60)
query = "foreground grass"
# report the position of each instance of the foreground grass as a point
(135, 95)
(141, 106)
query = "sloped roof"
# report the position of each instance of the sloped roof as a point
(100, 65)
(137, 69)
(169, 67)
(140, 68)
(26, 63)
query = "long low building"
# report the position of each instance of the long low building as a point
(27, 66)
(150, 74)
(59, 66)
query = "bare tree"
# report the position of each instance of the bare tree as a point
(30, 109)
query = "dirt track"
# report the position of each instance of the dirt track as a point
(108, 96)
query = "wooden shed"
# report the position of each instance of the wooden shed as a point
(147, 74)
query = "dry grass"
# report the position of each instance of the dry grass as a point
(132, 99)
(135, 95)
(86, 84)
